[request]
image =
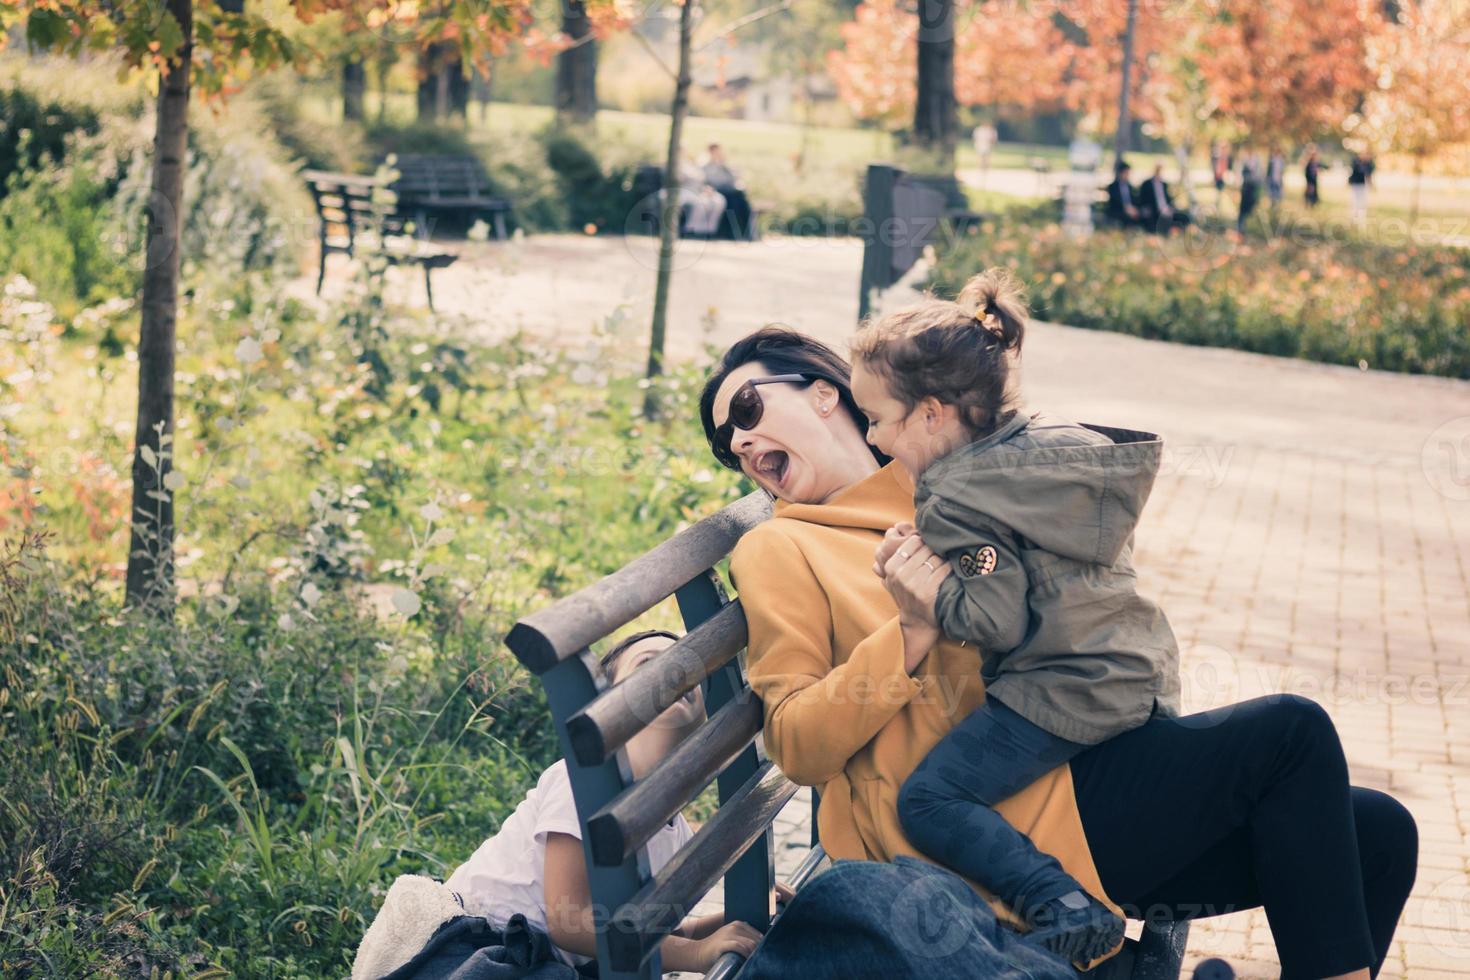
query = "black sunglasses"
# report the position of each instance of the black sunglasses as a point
(746, 409)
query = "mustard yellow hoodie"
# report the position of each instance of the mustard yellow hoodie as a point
(826, 657)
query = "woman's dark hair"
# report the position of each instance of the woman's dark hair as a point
(783, 351)
(609, 661)
(959, 353)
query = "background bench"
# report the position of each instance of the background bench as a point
(594, 721)
(902, 214)
(437, 185)
(349, 219)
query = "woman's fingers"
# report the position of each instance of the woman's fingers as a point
(909, 548)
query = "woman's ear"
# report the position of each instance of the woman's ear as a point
(825, 397)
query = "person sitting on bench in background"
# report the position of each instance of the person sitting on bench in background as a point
(1122, 201)
(717, 174)
(1159, 213)
(705, 204)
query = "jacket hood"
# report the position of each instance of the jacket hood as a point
(876, 502)
(1074, 490)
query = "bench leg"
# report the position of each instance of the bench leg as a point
(429, 288)
(499, 219)
(321, 269)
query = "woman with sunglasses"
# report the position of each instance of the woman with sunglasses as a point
(1182, 817)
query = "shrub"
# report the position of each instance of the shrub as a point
(89, 166)
(1345, 301)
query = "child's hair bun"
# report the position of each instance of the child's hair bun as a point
(998, 302)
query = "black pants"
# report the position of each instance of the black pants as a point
(735, 222)
(1244, 806)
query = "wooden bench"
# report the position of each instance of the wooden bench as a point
(431, 185)
(350, 219)
(594, 721)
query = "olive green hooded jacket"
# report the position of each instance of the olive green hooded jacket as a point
(1037, 521)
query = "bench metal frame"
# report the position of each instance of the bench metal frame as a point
(345, 202)
(633, 909)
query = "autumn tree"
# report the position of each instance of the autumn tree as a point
(1420, 101)
(1010, 56)
(1290, 69)
(1180, 96)
(875, 66)
(202, 47)
(1095, 75)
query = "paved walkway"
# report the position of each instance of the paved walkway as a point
(1310, 531)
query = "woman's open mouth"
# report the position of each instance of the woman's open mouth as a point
(774, 465)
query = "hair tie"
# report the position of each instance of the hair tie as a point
(987, 319)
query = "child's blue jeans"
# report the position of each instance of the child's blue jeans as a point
(945, 805)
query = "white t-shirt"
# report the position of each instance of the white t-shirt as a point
(507, 873)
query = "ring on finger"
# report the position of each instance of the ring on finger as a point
(927, 565)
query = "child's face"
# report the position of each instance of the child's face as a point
(687, 710)
(914, 437)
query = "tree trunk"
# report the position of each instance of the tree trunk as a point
(150, 576)
(1418, 180)
(385, 65)
(1125, 122)
(669, 211)
(354, 85)
(576, 67)
(936, 119)
(481, 88)
(459, 85)
(443, 89)
(427, 79)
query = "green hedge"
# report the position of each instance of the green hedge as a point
(1341, 302)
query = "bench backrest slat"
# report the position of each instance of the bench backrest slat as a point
(663, 902)
(574, 623)
(629, 821)
(605, 725)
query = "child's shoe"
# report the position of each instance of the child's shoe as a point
(1076, 927)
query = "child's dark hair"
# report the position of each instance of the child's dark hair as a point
(955, 352)
(609, 661)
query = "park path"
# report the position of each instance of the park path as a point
(1310, 531)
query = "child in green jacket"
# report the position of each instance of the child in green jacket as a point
(1035, 516)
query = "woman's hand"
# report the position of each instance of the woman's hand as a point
(892, 540)
(912, 575)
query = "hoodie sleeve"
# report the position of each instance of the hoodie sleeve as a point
(818, 715)
(984, 601)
